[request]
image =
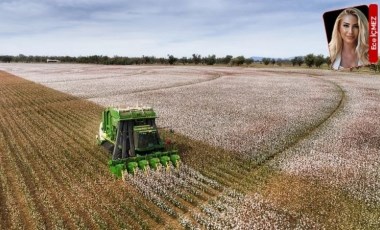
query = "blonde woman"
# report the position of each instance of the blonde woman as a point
(349, 43)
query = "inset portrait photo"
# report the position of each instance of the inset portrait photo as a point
(347, 37)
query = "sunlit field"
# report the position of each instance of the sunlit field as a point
(261, 148)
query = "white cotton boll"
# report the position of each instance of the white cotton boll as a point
(344, 152)
(324, 127)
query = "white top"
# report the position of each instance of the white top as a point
(336, 65)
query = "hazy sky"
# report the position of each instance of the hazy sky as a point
(160, 27)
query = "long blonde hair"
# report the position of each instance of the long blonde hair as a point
(335, 45)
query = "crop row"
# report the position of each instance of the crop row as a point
(345, 151)
(55, 175)
(223, 209)
(52, 173)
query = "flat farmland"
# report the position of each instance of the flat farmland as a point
(261, 148)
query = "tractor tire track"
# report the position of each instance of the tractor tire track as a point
(228, 178)
(309, 132)
(248, 175)
(117, 93)
(92, 78)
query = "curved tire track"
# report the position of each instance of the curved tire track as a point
(175, 86)
(309, 132)
(245, 175)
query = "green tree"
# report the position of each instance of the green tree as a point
(309, 60)
(147, 59)
(5, 58)
(294, 61)
(238, 60)
(300, 60)
(172, 59)
(197, 59)
(319, 60)
(248, 61)
(210, 60)
(183, 60)
(279, 61)
(297, 61)
(162, 60)
(266, 61)
(227, 59)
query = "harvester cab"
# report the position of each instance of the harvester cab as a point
(132, 137)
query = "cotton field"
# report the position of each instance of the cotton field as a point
(274, 148)
(346, 150)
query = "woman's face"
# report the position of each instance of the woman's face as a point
(349, 29)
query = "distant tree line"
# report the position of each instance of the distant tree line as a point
(196, 59)
(119, 60)
(318, 60)
(309, 60)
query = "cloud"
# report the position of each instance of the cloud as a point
(147, 27)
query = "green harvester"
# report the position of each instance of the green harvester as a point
(132, 137)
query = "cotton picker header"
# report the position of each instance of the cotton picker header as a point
(132, 137)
